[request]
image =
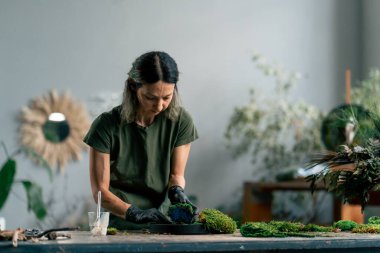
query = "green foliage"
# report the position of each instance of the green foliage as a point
(7, 174)
(316, 228)
(367, 228)
(334, 126)
(216, 221)
(33, 191)
(34, 196)
(281, 229)
(286, 226)
(345, 225)
(374, 220)
(277, 132)
(260, 229)
(355, 184)
(112, 231)
(368, 92)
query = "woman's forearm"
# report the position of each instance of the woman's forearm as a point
(111, 202)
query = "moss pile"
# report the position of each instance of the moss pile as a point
(374, 220)
(367, 228)
(112, 231)
(281, 229)
(286, 228)
(260, 229)
(316, 228)
(217, 222)
(373, 226)
(345, 225)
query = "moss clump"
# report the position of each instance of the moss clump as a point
(181, 213)
(274, 229)
(317, 228)
(367, 228)
(260, 229)
(112, 231)
(374, 220)
(217, 222)
(286, 226)
(345, 225)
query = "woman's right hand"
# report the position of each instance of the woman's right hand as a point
(152, 215)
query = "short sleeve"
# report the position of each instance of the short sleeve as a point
(187, 131)
(99, 135)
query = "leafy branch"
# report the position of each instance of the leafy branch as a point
(276, 132)
(33, 190)
(351, 173)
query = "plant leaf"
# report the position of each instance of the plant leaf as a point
(7, 175)
(35, 202)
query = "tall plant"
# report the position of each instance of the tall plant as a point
(33, 190)
(276, 131)
(354, 171)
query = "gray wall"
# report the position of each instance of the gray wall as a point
(371, 33)
(87, 47)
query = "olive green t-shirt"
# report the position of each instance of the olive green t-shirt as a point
(140, 157)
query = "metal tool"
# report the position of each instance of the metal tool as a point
(37, 233)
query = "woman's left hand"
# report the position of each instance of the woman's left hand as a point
(177, 194)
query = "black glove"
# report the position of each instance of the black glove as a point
(152, 215)
(177, 194)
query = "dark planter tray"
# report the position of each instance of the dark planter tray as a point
(178, 229)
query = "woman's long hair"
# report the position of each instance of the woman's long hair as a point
(150, 68)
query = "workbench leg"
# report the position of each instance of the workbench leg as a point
(257, 205)
(352, 212)
(348, 212)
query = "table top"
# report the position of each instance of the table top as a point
(82, 241)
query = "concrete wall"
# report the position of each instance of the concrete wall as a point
(87, 47)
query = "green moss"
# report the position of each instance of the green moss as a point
(216, 221)
(112, 231)
(345, 225)
(274, 229)
(374, 220)
(286, 226)
(283, 229)
(260, 229)
(367, 228)
(317, 228)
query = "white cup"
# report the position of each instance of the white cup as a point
(98, 227)
(2, 223)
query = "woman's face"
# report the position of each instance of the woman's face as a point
(155, 98)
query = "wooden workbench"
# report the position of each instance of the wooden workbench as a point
(139, 242)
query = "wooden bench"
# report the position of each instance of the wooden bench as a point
(257, 201)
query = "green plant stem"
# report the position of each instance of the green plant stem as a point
(5, 149)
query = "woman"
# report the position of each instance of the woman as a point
(139, 150)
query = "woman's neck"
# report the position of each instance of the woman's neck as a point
(143, 119)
